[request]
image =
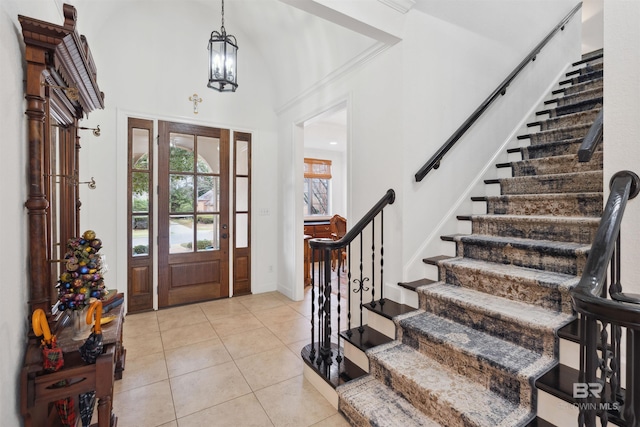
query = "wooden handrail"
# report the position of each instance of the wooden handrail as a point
(586, 295)
(387, 199)
(593, 138)
(434, 161)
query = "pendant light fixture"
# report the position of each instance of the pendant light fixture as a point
(223, 53)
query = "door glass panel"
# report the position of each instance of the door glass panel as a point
(140, 235)
(180, 193)
(180, 234)
(139, 149)
(208, 155)
(242, 158)
(208, 232)
(140, 192)
(181, 154)
(242, 194)
(242, 230)
(208, 193)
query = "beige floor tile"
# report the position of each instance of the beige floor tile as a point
(171, 424)
(297, 346)
(235, 324)
(245, 411)
(269, 367)
(143, 345)
(251, 342)
(207, 387)
(294, 402)
(196, 356)
(142, 371)
(278, 314)
(292, 331)
(178, 337)
(180, 317)
(303, 307)
(140, 324)
(336, 420)
(223, 308)
(260, 302)
(146, 406)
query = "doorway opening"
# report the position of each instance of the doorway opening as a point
(325, 177)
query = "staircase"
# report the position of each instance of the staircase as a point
(487, 329)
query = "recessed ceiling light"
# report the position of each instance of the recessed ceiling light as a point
(333, 143)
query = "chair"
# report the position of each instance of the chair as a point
(338, 228)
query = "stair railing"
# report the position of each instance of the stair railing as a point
(322, 351)
(592, 140)
(434, 161)
(604, 312)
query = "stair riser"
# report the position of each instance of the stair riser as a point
(584, 86)
(575, 106)
(578, 232)
(586, 77)
(554, 135)
(521, 334)
(572, 205)
(553, 184)
(549, 150)
(577, 119)
(547, 259)
(507, 385)
(556, 165)
(568, 100)
(513, 288)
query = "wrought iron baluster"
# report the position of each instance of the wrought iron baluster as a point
(632, 392)
(320, 309)
(373, 262)
(312, 354)
(605, 371)
(349, 333)
(382, 258)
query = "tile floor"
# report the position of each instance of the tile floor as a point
(232, 362)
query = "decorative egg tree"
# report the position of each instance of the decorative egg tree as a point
(82, 278)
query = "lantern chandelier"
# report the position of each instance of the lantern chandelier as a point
(223, 53)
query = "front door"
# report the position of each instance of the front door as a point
(193, 213)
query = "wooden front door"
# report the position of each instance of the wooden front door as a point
(193, 213)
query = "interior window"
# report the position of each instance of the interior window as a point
(317, 187)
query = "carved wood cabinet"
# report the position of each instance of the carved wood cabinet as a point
(61, 89)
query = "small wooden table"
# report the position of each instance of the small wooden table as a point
(40, 388)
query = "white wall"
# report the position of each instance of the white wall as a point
(621, 124)
(151, 57)
(14, 262)
(444, 92)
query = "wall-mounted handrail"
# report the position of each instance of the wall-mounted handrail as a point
(434, 161)
(592, 140)
(387, 199)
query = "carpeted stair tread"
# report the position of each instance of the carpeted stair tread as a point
(448, 398)
(367, 401)
(525, 318)
(552, 148)
(581, 87)
(573, 119)
(576, 105)
(572, 182)
(567, 100)
(556, 204)
(545, 289)
(567, 163)
(561, 257)
(491, 352)
(540, 227)
(569, 132)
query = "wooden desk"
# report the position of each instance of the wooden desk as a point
(39, 388)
